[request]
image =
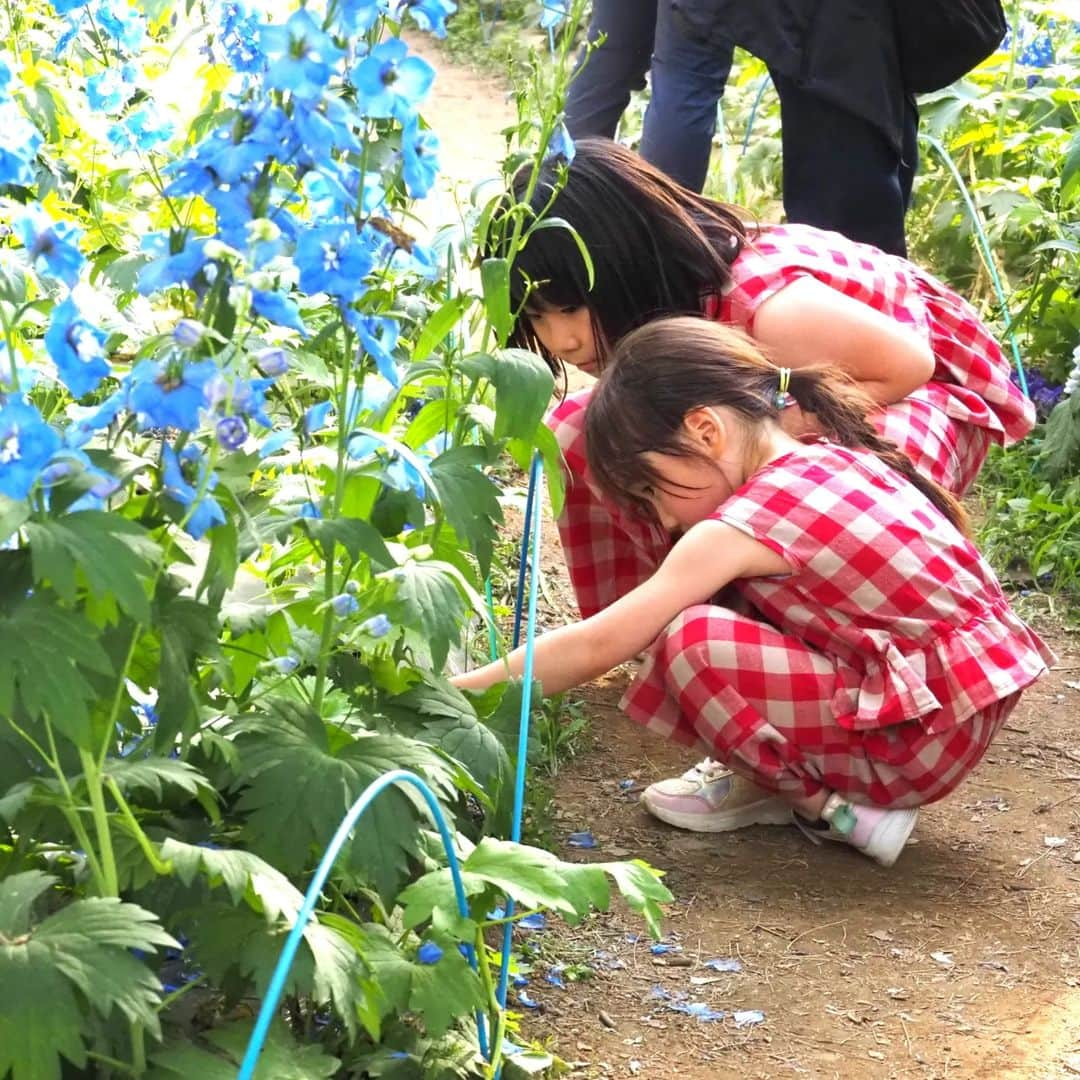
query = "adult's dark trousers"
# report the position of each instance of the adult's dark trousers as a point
(841, 172)
(687, 81)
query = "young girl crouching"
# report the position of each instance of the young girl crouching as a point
(869, 656)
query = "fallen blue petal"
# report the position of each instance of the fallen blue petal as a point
(633, 939)
(527, 1001)
(699, 1010)
(748, 1017)
(723, 964)
(625, 784)
(498, 913)
(660, 948)
(520, 980)
(660, 993)
(582, 840)
(554, 976)
(536, 921)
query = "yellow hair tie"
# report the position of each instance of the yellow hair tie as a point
(783, 399)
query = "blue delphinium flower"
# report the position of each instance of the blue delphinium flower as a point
(345, 604)
(238, 34)
(19, 146)
(429, 953)
(431, 15)
(378, 336)
(77, 348)
(187, 333)
(310, 511)
(315, 417)
(278, 308)
(144, 128)
(389, 82)
(98, 484)
(284, 665)
(108, 90)
(232, 432)
(178, 260)
(52, 246)
(419, 162)
(26, 445)
(93, 418)
(377, 626)
(302, 56)
(397, 471)
(552, 13)
(169, 393)
(333, 259)
(272, 361)
(561, 145)
(203, 513)
(240, 397)
(324, 126)
(124, 23)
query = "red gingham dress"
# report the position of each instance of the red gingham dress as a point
(881, 667)
(945, 427)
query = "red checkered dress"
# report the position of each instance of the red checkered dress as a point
(881, 667)
(946, 426)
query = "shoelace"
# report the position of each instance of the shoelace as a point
(707, 770)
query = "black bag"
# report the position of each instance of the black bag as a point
(942, 40)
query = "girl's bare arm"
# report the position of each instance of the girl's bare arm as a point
(710, 555)
(807, 323)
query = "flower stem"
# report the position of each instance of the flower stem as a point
(94, 785)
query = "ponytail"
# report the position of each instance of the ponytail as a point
(840, 408)
(668, 367)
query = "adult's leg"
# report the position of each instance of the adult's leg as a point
(687, 80)
(608, 551)
(841, 172)
(600, 90)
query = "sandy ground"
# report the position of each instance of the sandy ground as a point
(963, 960)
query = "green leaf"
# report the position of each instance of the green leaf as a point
(431, 600)
(299, 786)
(1070, 171)
(12, 515)
(188, 633)
(439, 325)
(495, 285)
(641, 888)
(247, 877)
(115, 556)
(543, 439)
(46, 653)
(79, 958)
(562, 223)
(1062, 442)
(154, 774)
(282, 1058)
(357, 537)
(470, 499)
(523, 386)
(444, 991)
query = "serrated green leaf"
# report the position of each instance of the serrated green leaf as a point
(116, 557)
(84, 947)
(1062, 442)
(1070, 171)
(155, 774)
(357, 537)
(244, 874)
(431, 601)
(443, 991)
(299, 787)
(188, 632)
(282, 1058)
(12, 515)
(17, 896)
(641, 888)
(470, 500)
(45, 654)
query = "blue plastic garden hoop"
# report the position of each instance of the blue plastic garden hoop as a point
(274, 991)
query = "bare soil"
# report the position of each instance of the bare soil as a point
(963, 960)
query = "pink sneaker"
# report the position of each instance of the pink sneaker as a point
(878, 833)
(711, 798)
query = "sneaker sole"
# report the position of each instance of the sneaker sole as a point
(889, 838)
(765, 812)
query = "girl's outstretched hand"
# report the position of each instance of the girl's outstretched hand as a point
(709, 556)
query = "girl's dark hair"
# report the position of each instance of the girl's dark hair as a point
(670, 367)
(657, 248)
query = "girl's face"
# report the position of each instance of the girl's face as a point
(687, 491)
(566, 333)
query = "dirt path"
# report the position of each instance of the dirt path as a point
(963, 960)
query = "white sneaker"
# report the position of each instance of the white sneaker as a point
(711, 798)
(875, 831)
